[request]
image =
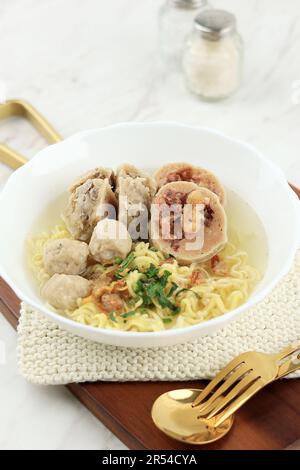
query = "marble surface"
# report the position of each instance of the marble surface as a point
(89, 64)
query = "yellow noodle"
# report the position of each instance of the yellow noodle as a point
(214, 296)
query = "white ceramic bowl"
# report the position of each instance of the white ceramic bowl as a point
(241, 168)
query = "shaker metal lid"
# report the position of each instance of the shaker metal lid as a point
(215, 23)
(190, 4)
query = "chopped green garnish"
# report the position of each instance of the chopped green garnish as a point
(164, 278)
(186, 289)
(118, 260)
(127, 261)
(118, 275)
(167, 320)
(112, 316)
(151, 271)
(138, 286)
(128, 314)
(173, 289)
(140, 290)
(165, 303)
(123, 266)
(151, 287)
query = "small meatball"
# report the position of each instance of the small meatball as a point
(62, 291)
(110, 239)
(65, 256)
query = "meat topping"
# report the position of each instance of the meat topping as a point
(184, 174)
(111, 302)
(175, 197)
(208, 215)
(214, 261)
(197, 277)
(220, 268)
(110, 297)
(175, 244)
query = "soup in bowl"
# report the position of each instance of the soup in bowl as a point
(133, 289)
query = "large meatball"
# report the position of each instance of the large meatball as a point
(62, 291)
(65, 256)
(186, 172)
(110, 239)
(97, 173)
(195, 226)
(135, 190)
(88, 203)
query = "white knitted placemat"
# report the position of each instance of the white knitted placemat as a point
(50, 355)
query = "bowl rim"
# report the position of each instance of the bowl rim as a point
(218, 321)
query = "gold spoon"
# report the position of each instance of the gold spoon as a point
(177, 413)
(173, 414)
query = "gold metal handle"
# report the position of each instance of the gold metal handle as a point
(291, 349)
(288, 367)
(20, 108)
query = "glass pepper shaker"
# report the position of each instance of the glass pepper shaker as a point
(212, 60)
(175, 21)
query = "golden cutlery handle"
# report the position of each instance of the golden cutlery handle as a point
(20, 108)
(288, 367)
(292, 348)
(237, 404)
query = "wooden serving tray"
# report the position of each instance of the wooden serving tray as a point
(270, 420)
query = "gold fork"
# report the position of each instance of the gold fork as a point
(241, 379)
(289, 366)
(175, 412)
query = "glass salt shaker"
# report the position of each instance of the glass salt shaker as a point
(175, 21)
(212, 60)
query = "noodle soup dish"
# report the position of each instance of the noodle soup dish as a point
(139, 252)
(146, 235)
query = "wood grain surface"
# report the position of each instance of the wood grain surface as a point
(270, 420)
